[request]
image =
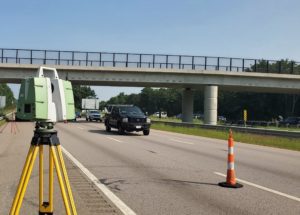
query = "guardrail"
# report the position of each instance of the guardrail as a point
(136, 60)
(271, 132)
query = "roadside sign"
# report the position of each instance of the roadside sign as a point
(90, 104)
(245, 115)
(2, 101)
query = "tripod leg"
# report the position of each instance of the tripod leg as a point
(50, 181)
(61, 183)
(46, 207)
(23, 189)
(41, 176)
(65, 174)
(22, 178)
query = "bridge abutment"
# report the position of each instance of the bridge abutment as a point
(210, 105)
(187, 105)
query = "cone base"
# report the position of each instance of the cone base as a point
(225, 184)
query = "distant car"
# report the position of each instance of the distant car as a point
(93, 115)
(290, 121)
(179, 116)
(162, 114)
(77, 114)
(222, 118)
(198, 116)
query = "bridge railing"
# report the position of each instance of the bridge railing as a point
(134, 60)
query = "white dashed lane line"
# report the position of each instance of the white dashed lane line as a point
(180, 141)
(114, 139)
(263, 188)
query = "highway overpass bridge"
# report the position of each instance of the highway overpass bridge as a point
(149, 70)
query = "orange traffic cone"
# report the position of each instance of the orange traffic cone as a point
(230, 179)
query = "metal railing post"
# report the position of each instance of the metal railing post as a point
(167, 60)
(17, 52)
(230, 64)
(30, 56)
(86, 58)
(193, 62)
(140, 60)
(267, 66)
(218, 64)
(292, 67)
(243, 65)
(254, 65)
(2, 55)
(100, 58)
(127, 60)
(205, 63)
(58, 57)
(72, 59)
(180, 62)
(45, 56)
(153, 61)
(114, 63)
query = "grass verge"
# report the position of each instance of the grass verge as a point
(264, 140)
(2, 122)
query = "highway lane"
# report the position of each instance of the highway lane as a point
(167, 173)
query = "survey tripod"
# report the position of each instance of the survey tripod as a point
(45, 135)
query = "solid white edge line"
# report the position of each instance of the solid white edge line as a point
(114, 139)
(263, 188)
(118, 202)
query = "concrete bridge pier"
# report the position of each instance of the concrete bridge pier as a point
(187, 105)
(210, 105)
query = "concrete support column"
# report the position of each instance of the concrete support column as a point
(210, 105)
(187, 105)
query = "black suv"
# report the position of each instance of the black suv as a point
(127, 118)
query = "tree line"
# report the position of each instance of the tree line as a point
(260, 106)
(6, 91)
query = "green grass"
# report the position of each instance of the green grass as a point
(173, 119)
(198, 121)
(264, 140)
(5, 111)
(2, 122)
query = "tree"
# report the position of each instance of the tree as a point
(81, 92)
(6, 91)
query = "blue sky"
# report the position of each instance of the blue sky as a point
(232, 28)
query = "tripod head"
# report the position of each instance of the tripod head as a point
(46, 99)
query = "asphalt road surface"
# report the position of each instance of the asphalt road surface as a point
(168, 173)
